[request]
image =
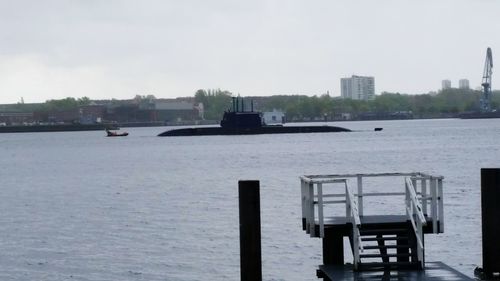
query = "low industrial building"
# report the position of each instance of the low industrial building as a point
(273, 117)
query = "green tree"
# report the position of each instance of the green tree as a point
(83, 101)
(62, 104)
(214, 102)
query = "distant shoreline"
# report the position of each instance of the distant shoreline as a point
(116, 126)
(54, 128)
(95, 127)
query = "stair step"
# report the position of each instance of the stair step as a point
(384, 238)
(375, 265)
(386, 247)
(386, 255)
(382, 231)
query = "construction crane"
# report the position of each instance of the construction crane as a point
(488, 66)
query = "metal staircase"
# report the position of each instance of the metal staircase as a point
(388, 248)
(397, 245)
(378, 242)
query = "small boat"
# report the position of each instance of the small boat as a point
(116, 134)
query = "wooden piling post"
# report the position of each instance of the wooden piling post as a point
(250, 240)
(333, 247)
(490, 216)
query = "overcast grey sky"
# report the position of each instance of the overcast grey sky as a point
(119, 48)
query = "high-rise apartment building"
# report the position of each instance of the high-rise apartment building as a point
(358, 88)
(463, 84)
(445, 84)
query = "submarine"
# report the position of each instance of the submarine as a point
(239, 121)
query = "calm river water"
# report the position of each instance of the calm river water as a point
(80, 206)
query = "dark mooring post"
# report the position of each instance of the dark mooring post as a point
(490, 215)
(333, 247)
(250, 250)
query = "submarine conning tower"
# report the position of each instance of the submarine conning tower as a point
(238, 117)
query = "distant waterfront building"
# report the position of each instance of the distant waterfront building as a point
(463, 84)
(174, 111)
(358, 88)
(273, 117)
(15, 118)
(445, 84)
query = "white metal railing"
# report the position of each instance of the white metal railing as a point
(416, 217)
(428, 189)
(423, 201)
(313, 202)
(353, 215)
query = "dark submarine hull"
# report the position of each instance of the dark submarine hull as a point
(212, 131)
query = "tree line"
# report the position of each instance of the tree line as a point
(446, 103)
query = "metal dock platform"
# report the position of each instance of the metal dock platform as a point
(434, 271)
(386, 243)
